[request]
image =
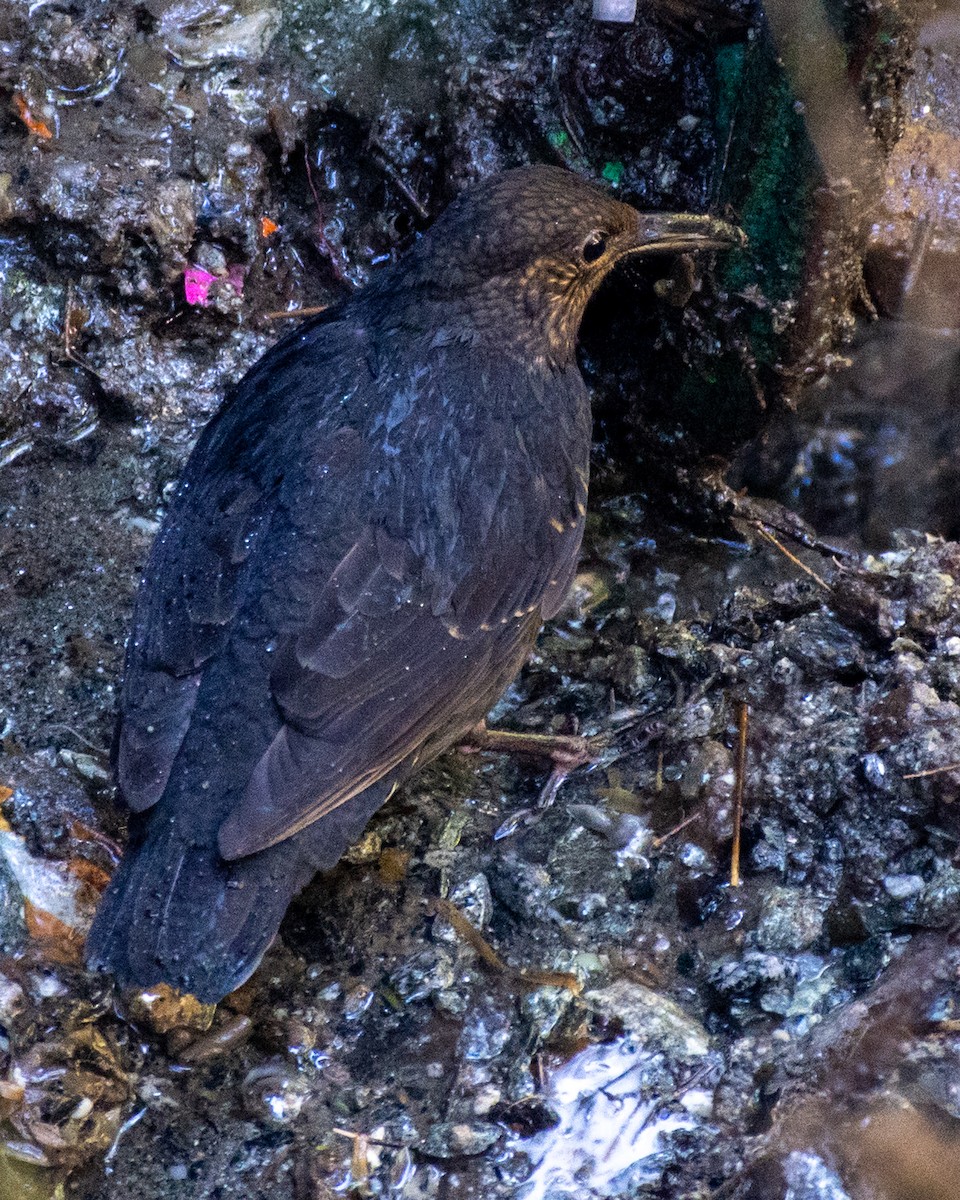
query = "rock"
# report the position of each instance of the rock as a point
(809, 1178)
(653, 1021)
(791, 919)
(940, 900)
(460, 1139)
(903, 887)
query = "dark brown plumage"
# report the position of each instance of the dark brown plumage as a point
(361, 550)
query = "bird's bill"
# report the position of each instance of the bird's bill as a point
(683, 233)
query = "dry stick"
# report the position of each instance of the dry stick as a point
(738, 788)
(313, 186)
(658, 841)
(98, 751)
(524, 979)
(762, 529)
(67, 322)
(932, 771)
(371, 1141)
(393, 174)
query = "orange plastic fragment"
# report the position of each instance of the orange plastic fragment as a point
(38, 127)
(5, 793)
(267, 226)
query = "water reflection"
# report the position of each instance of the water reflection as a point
(613, 1134)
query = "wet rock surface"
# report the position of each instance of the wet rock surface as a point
(616, 1019)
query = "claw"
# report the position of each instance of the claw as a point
(565, 751)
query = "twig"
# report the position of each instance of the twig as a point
(322, 241)
(312, 185)
(86, 833)
(932, 771)
(658, 841)
(523, 979)
(738, 789)
(68, 329)
(393, 174)
(743, 508)
(372, 1141)
(762, 529)
(98, 750)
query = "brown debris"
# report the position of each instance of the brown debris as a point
(73, 1091)
(164, 1009)
(526, 979)
(59, 942)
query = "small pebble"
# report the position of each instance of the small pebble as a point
(620, 11)
(902, 887)
(460, 1139)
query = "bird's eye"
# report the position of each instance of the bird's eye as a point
(595, 246)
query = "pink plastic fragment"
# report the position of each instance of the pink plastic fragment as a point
(196, 285)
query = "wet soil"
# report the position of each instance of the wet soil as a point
(630, 1023)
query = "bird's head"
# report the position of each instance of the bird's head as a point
(523, 252)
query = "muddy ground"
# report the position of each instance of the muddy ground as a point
(175, 177)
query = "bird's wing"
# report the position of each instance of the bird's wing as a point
(427, 617)
(395, 540)
(207, 546)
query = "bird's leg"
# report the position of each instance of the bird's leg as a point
(565, 751)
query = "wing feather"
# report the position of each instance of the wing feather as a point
(378, 552)
(427, 631)
(193, 584)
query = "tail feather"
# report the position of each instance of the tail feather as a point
(176, 912)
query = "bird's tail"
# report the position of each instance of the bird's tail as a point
(177, 913)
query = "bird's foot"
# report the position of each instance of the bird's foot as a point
(565, 751)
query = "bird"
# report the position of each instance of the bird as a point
(355, 565)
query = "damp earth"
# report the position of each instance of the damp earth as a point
(631, 992)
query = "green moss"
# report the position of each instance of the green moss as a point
(21, 1181)
(768, 181)
(767, 174)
